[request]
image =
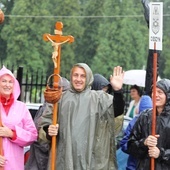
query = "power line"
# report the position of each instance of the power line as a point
(46, 16)
(43, 16)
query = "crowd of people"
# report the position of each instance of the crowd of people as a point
(86, 127)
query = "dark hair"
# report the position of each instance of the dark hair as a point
(139, 90)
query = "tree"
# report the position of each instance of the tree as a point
(6, 7)
(165, 54)
(121, 38)
(107, 33)
(24, 35)
(88, 44)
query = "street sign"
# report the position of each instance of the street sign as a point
(156, 25)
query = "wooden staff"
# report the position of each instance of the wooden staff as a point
(1, 139)
(56, 41)
(155, 56)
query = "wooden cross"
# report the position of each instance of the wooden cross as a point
(56, 41)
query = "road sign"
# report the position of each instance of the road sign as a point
(156, 25)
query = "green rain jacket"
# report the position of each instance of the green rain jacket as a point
(86, 137)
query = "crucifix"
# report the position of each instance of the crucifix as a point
(56, 41)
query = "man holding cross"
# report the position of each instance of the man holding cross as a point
(86, 127)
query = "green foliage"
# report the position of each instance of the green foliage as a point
(24, 35)
(121, 39)
(6, 8)
(107, 33)
(89, 42)
(165, 55)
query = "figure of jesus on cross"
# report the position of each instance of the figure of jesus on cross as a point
(56, 41)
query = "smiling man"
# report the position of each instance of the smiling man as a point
(86, 130)
(78, 79)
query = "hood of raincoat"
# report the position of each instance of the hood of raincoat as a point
(145, 103)
(65, 84)
(16, 88)
(89, 75)
(164, 85)
(100, 82)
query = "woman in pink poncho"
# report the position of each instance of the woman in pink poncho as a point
(18, 129)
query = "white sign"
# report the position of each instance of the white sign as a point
(155, 25)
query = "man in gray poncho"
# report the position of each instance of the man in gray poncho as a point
(86, 134)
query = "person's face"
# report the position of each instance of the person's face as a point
(78, 78)
(6, 85)
(160, 98)
(134, 94)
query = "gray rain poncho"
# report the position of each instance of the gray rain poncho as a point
(86, 138)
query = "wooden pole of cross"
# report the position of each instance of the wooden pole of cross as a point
(57, 40)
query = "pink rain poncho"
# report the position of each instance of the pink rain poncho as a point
(19, 120)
